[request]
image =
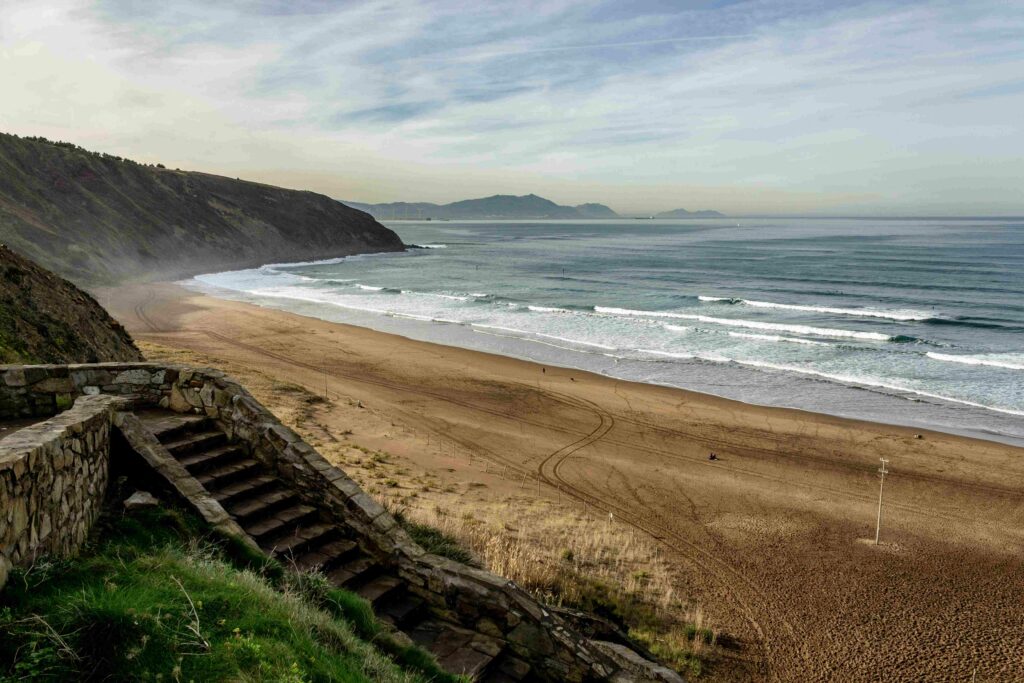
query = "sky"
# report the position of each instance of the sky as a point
(842, 108)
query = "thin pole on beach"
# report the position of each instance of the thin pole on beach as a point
(325, 377)
(878, 522)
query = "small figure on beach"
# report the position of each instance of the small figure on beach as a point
(712, 457)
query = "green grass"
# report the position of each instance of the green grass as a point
(156, 598)
(433, 540)
(682, 648)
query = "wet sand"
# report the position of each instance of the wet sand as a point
(775, 538)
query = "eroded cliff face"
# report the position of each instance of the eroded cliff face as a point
(99, 219)
(46, 319)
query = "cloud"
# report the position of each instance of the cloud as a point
(882, 106)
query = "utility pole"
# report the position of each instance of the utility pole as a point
(883, 472)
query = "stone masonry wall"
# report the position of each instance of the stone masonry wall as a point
(480, 600)
(53, 476)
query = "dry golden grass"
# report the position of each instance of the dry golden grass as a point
(553, 549)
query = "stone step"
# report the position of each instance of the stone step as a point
(244, 489)
(282, 522)
(196, 441)
(165, 425)
(354, 571)
(466, 661)
(266, 503)
(493, 675)
(402, 609)
(506, 668)
(298, 541)
(202, 461)
(328, 556)
(458, 650)
(377, 589)
(236, 471)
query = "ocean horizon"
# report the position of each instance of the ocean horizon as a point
(914, 322)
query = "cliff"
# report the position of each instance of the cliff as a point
(46, 319)
(99, 219)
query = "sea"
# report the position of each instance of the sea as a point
(917, 322)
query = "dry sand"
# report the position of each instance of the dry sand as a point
(775, 539)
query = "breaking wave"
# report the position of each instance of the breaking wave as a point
(777, 338)
(1014, 362)
(758, 325)
(901, 315)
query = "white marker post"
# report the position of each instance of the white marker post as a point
(878, 523)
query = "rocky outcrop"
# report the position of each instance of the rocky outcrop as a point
(99, 219)
(46, 319)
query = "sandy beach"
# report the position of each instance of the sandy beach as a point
(774, 538)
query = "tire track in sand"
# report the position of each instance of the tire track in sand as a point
(732, 580)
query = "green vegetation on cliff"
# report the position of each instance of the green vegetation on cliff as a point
(155, 598)
(99, 219)
(46, 319)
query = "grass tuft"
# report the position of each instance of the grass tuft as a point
(150, 601)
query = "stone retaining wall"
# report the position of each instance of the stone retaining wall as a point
(44, 390)
(475, 598)
(53, 476)
(478, 599)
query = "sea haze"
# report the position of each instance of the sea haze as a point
(917, 322)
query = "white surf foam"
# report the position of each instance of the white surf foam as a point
(278, 294)
(499, 327)
(611, 310)
(548, 309)
(902, 315)
(776, 338)
(668, 354)
(844, 379)
(438, 295)
(750, 324)
(794, 329)
(576, 341)
(871, 382)
(370, 288)
(413, 316)
(1010, 362)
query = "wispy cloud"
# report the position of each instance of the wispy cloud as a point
(753, 105)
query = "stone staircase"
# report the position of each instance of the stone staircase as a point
(272, 513)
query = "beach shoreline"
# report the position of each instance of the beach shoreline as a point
(766, 537)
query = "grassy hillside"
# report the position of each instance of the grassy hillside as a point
(98, 219)
(46, 319)
(156, 598)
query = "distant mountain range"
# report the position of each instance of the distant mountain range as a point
(500, 206)
(683, 213)
(528, 206)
